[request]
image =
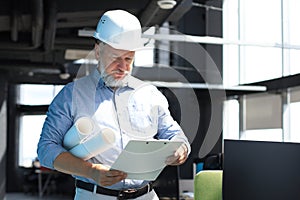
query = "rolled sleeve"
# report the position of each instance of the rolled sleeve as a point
(57, 123)
(47, 158)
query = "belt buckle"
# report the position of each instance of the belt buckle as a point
(122, 193)
(129, 190)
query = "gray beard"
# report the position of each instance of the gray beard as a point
(110, 81)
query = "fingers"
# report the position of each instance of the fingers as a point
(111, 177)
(114, 173)
(176, 160)
(179, 157)
(171, 159)
(105, 176)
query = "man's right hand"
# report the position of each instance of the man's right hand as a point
(69, 164)
(106, 177)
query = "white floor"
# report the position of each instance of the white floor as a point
(22, 196)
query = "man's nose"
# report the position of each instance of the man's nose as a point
(122, 64)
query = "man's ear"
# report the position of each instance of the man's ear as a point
(97, 51)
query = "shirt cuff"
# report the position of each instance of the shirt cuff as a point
(47, 158)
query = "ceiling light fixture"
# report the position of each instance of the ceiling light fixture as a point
(64, 76)
(166, 4)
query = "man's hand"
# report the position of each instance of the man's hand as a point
(106, 177)
(69, 164)
(179, 157)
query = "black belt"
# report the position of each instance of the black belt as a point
(121, 194)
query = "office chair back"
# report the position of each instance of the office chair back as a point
(208, 185)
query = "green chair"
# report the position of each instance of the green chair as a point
(208, 185)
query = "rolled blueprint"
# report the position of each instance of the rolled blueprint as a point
(80, 130)
(95, 144)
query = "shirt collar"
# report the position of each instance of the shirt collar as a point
(96, 78)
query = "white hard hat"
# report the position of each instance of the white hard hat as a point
(119, 29)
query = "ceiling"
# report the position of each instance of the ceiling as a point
(35, 34)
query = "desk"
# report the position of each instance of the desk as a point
(43, 186)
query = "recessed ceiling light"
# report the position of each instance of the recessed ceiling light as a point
(166, 4)
(64, 76)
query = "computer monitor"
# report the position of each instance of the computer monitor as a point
(257, 170)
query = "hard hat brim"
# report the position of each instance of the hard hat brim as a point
(129, 46)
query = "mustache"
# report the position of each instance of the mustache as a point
(106, 75)
(120, 71)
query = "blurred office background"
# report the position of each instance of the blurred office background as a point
(229, 69)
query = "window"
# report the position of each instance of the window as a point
(262, 111)
(265, 40)
(30, 130)
(294, 125)
(264, 45)
(291, 32)
(263, 135)
(259, 63)
(35, 94)
(32, 121)
(262, 117)
(230, 117)
(145, 57)
(259, 117)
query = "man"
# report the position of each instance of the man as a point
(116, 100)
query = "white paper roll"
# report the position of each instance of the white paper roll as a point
(94, 145)
(81, 129)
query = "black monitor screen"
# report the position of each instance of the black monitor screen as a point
(256, 170)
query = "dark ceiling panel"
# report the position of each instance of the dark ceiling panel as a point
(89, 5)
(179, 11)
(39, 31)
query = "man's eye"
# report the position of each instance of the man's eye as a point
(113, 59)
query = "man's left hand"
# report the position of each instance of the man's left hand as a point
(179, 157)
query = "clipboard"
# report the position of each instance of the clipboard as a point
(144, 160)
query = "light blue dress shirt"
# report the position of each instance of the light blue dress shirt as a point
(137, 110)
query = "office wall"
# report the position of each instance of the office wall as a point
(14, 174)
(208, 58)
(3, 136)
(2, 149)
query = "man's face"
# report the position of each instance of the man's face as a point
(115, 63)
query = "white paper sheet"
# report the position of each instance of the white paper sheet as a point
(144, 160)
